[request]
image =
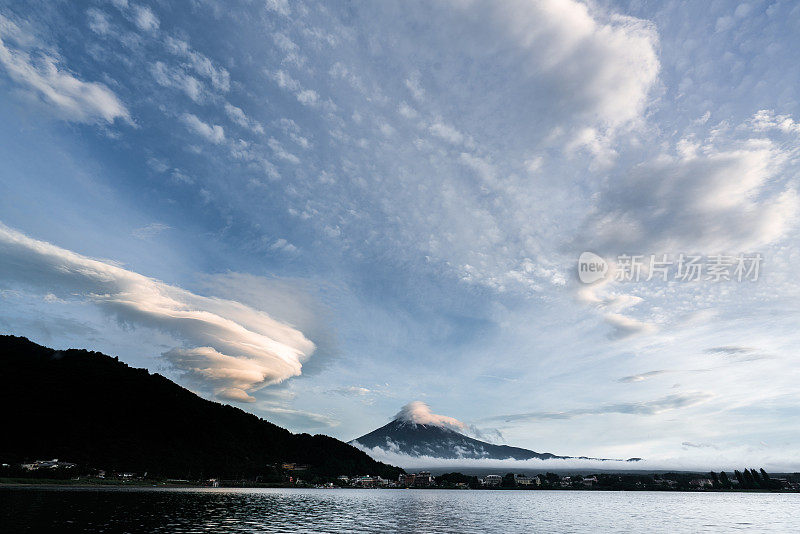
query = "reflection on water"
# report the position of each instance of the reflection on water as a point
(299, 510)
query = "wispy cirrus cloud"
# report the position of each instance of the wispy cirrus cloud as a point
(669, 402)
(151, 230)
(737, 354)
(643, 376)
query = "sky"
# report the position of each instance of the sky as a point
(320, 212)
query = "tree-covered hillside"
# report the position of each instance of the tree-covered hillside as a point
(93, 410)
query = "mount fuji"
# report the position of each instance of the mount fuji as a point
(417, 432)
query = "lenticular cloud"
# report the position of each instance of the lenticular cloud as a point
(231, 348)
(419, 413)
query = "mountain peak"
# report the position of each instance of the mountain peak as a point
(419, 413)
(418, 432)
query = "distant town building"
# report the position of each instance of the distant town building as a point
(524, 480)
(406, 479)
(492, 480)
(423, 478)
(366, 481)
(47, 464)
(291, 466)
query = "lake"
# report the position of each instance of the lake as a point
(84, 509)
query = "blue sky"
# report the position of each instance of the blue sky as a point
(320, 212)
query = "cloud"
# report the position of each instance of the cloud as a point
(731, 350)
(278, 6)
(765, 120)
(352, 391)
(211, 132)
(669, 402)
(297, 418)
(307, 97)
(177, 78)
(612, 305)
(612, 58)
(231, 348)
(721, 201)
(202, 65)
(40, 71)
(694, 461)
(150, 231)
(281, 152)
(587, 72)
(284, 245)
(623, 327)
(145, 19)
(238, 116)
(446, 132)
(650, 374)
(98, 21)
(739, 354)
(698, 445)
(643, 376)
(419, 413)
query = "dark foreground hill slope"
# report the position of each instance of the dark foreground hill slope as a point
(93, 410)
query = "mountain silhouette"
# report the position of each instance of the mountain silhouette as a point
(436, 441)
(417, 433)
(93, 410)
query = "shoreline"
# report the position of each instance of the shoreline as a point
(51, 485)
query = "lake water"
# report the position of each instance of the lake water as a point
(342, 510)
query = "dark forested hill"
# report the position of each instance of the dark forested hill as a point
(93, 410)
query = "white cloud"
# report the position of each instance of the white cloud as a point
(419, 413)
(212, 132)
(284, 245)
(352, 391)
(643, 376)
(238, 116)
(485, 171)
(765, 120)
(232, 349)
(716, 202)
(447, 132)
(307, 97)
(177, 78)
(297, 418)
(605, 67)
(201, 64)
(145, 19)
(652, 407)
(150, 231)
(278, 6)
(414, 86)
(98, 21)
(687, 462)
(624, 326)
(40, 71)
(281, 152)
(407, 111)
